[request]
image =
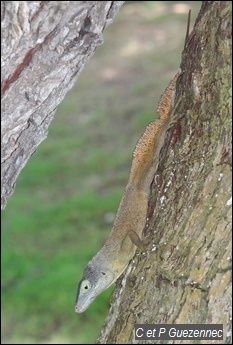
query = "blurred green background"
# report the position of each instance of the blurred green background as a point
(67, 195)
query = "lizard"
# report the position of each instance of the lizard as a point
(110, 262)
(124, 239)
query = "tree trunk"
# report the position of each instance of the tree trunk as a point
(185, 275)
(45, 45)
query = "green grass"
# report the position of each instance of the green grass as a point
(46, 253)
(56, 219)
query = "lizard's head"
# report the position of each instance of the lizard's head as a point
(94, 281)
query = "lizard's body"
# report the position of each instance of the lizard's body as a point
(113, 258)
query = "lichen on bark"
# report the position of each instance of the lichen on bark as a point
(185, 276)
(45, 45)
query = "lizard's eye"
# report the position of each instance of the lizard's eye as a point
(103, 273)
(85, 286)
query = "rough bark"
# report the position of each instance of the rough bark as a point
(45, 45)
(185, 275)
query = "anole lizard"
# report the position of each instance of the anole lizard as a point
(111, 261)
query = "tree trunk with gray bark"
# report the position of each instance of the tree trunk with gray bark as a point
(185, 275)
(45, 45)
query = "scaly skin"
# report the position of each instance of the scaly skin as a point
(111, 261)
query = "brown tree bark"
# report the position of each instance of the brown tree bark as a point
(45, 45)
(185, 275)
